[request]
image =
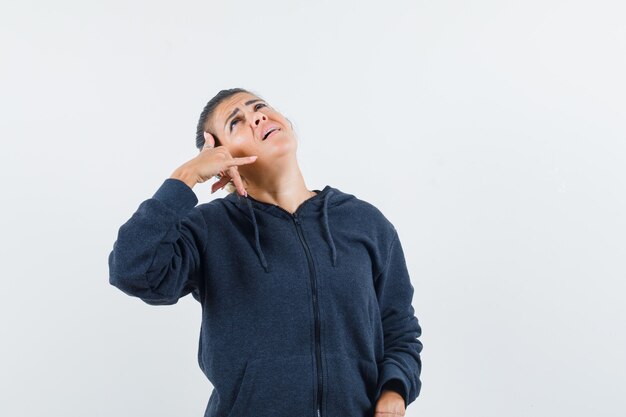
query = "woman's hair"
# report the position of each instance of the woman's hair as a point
(207, 115)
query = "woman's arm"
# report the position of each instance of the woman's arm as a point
(156, 256)
(157, 253)
(402, 361)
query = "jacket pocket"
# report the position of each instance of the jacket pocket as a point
(276, 386)
(351, 387)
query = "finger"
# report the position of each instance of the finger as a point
(236, 178)
(241, 161)
(234, 174)
(209, 140)
(220, 184)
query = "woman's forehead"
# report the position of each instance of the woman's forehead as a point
(228, 106)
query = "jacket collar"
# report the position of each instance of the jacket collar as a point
(312, 204)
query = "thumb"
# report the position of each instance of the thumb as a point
(209, 139)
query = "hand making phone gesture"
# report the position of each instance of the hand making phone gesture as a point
(210, 162)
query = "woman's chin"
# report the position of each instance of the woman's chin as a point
(282, 144)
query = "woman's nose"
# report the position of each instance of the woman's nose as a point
(258, 117)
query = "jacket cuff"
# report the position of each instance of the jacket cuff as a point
(392, 374)
(395, 385)
(176, 195)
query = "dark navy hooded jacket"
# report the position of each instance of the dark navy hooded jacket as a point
(303, 315)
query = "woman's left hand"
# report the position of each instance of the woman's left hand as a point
(389, 404)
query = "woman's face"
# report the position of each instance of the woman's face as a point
(241, 123)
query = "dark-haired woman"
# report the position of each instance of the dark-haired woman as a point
(305, 294)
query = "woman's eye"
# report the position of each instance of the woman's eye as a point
(256, 107)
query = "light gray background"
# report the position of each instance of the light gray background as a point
(491, 133)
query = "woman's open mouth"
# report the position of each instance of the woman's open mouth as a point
(270, 132)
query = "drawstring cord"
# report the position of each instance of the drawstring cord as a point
(259, 251)
(257, 240)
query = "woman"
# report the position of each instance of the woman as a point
(305, 294)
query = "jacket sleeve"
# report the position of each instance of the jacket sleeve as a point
(402, 360)
(157, 254)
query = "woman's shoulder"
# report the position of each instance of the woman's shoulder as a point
(361, 210)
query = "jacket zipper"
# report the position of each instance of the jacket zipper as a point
(318, 347)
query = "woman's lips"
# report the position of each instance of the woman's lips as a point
(272, 133)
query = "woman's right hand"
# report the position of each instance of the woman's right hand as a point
(210, 162)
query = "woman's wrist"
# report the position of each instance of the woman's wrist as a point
(185, 176)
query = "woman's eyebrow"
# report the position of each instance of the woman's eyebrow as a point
(247, 103)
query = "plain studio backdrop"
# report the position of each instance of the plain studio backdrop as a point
(490, 133)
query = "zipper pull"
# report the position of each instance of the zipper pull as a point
(318, 413)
